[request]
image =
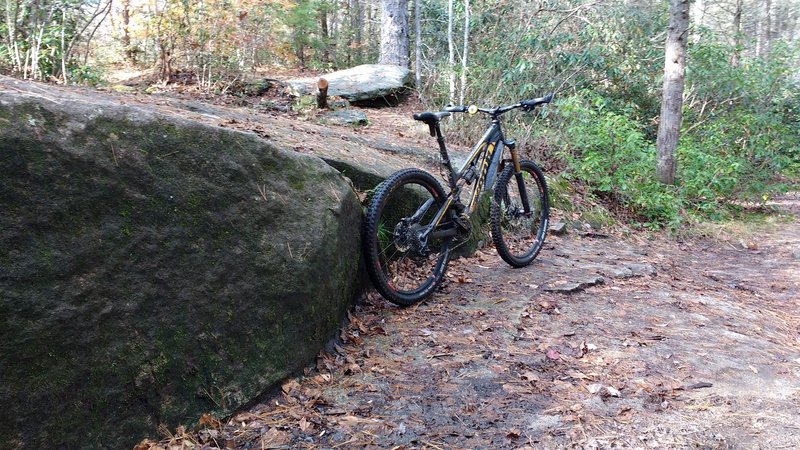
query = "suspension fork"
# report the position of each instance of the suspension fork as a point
(523, 194)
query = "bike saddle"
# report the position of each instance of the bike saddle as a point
(431, 118)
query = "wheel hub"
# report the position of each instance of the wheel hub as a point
(408, 237)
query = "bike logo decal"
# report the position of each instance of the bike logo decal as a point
(484, 170)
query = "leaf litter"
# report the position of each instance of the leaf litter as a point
(673, 358)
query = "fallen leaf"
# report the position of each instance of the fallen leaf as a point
(289, 386)
(530, 376)
(578, 375)
(207, 420)
(553, 354)
(146, 444)
(274, 438)
(624, 414)
(351, 420)
(322, 378)
(305, 426)
(513, 434)
(516, 389)
(594, 388)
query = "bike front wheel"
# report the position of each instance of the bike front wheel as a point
(404, 257)
(519, 234)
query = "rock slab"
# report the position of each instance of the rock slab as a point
(358, 84)
(154, 268)
(346, 117)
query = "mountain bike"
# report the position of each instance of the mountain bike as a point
(412, 224)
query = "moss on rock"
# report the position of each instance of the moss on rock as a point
(153, 269)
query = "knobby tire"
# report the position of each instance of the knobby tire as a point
(517, 238)
(386, 262)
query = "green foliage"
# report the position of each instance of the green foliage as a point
(87, 75)
(609, 152)
(740, 140)
(37, 36)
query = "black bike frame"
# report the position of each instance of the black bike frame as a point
(488, 152)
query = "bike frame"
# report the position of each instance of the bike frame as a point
(486, 157)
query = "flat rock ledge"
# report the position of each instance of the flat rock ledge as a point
(571, 287)
(585, 280)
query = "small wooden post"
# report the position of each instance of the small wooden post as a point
(322, 94)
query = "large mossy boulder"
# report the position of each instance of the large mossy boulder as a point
(153, 268)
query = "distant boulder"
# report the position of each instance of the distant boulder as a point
(365, 83)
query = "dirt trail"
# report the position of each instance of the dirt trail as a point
(602, 342)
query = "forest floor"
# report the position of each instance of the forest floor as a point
(610, 339)
(603, 342)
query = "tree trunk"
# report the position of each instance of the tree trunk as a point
(126, 36)
(96, 27)
(452, 52)
(737, 34)
(464, 55)
(394, 32)
(322, 93)
(356, 23)
(672, 96)
(63, 46)
(333, 26)
(417, 47)
(11, 33)
(323, 25)
(766, 29)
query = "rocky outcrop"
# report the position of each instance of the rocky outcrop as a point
(154, 268)
(363, 83)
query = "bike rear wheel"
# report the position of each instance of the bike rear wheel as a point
(519, 236)
(404, 265)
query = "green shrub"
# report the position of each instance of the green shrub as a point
(609, 152)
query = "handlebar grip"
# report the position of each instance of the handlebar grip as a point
(530, 104)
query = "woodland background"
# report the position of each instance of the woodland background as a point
(740, 136)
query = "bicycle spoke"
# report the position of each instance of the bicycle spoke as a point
(405, 262)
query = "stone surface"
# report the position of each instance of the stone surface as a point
(346, 117)
(642, 269)
(558, 228)
(367, 82)
(365, 159)
(620, 272)
(154, 268)
(570, 287)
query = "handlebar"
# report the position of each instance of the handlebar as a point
(526, 105)
(433, 118)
